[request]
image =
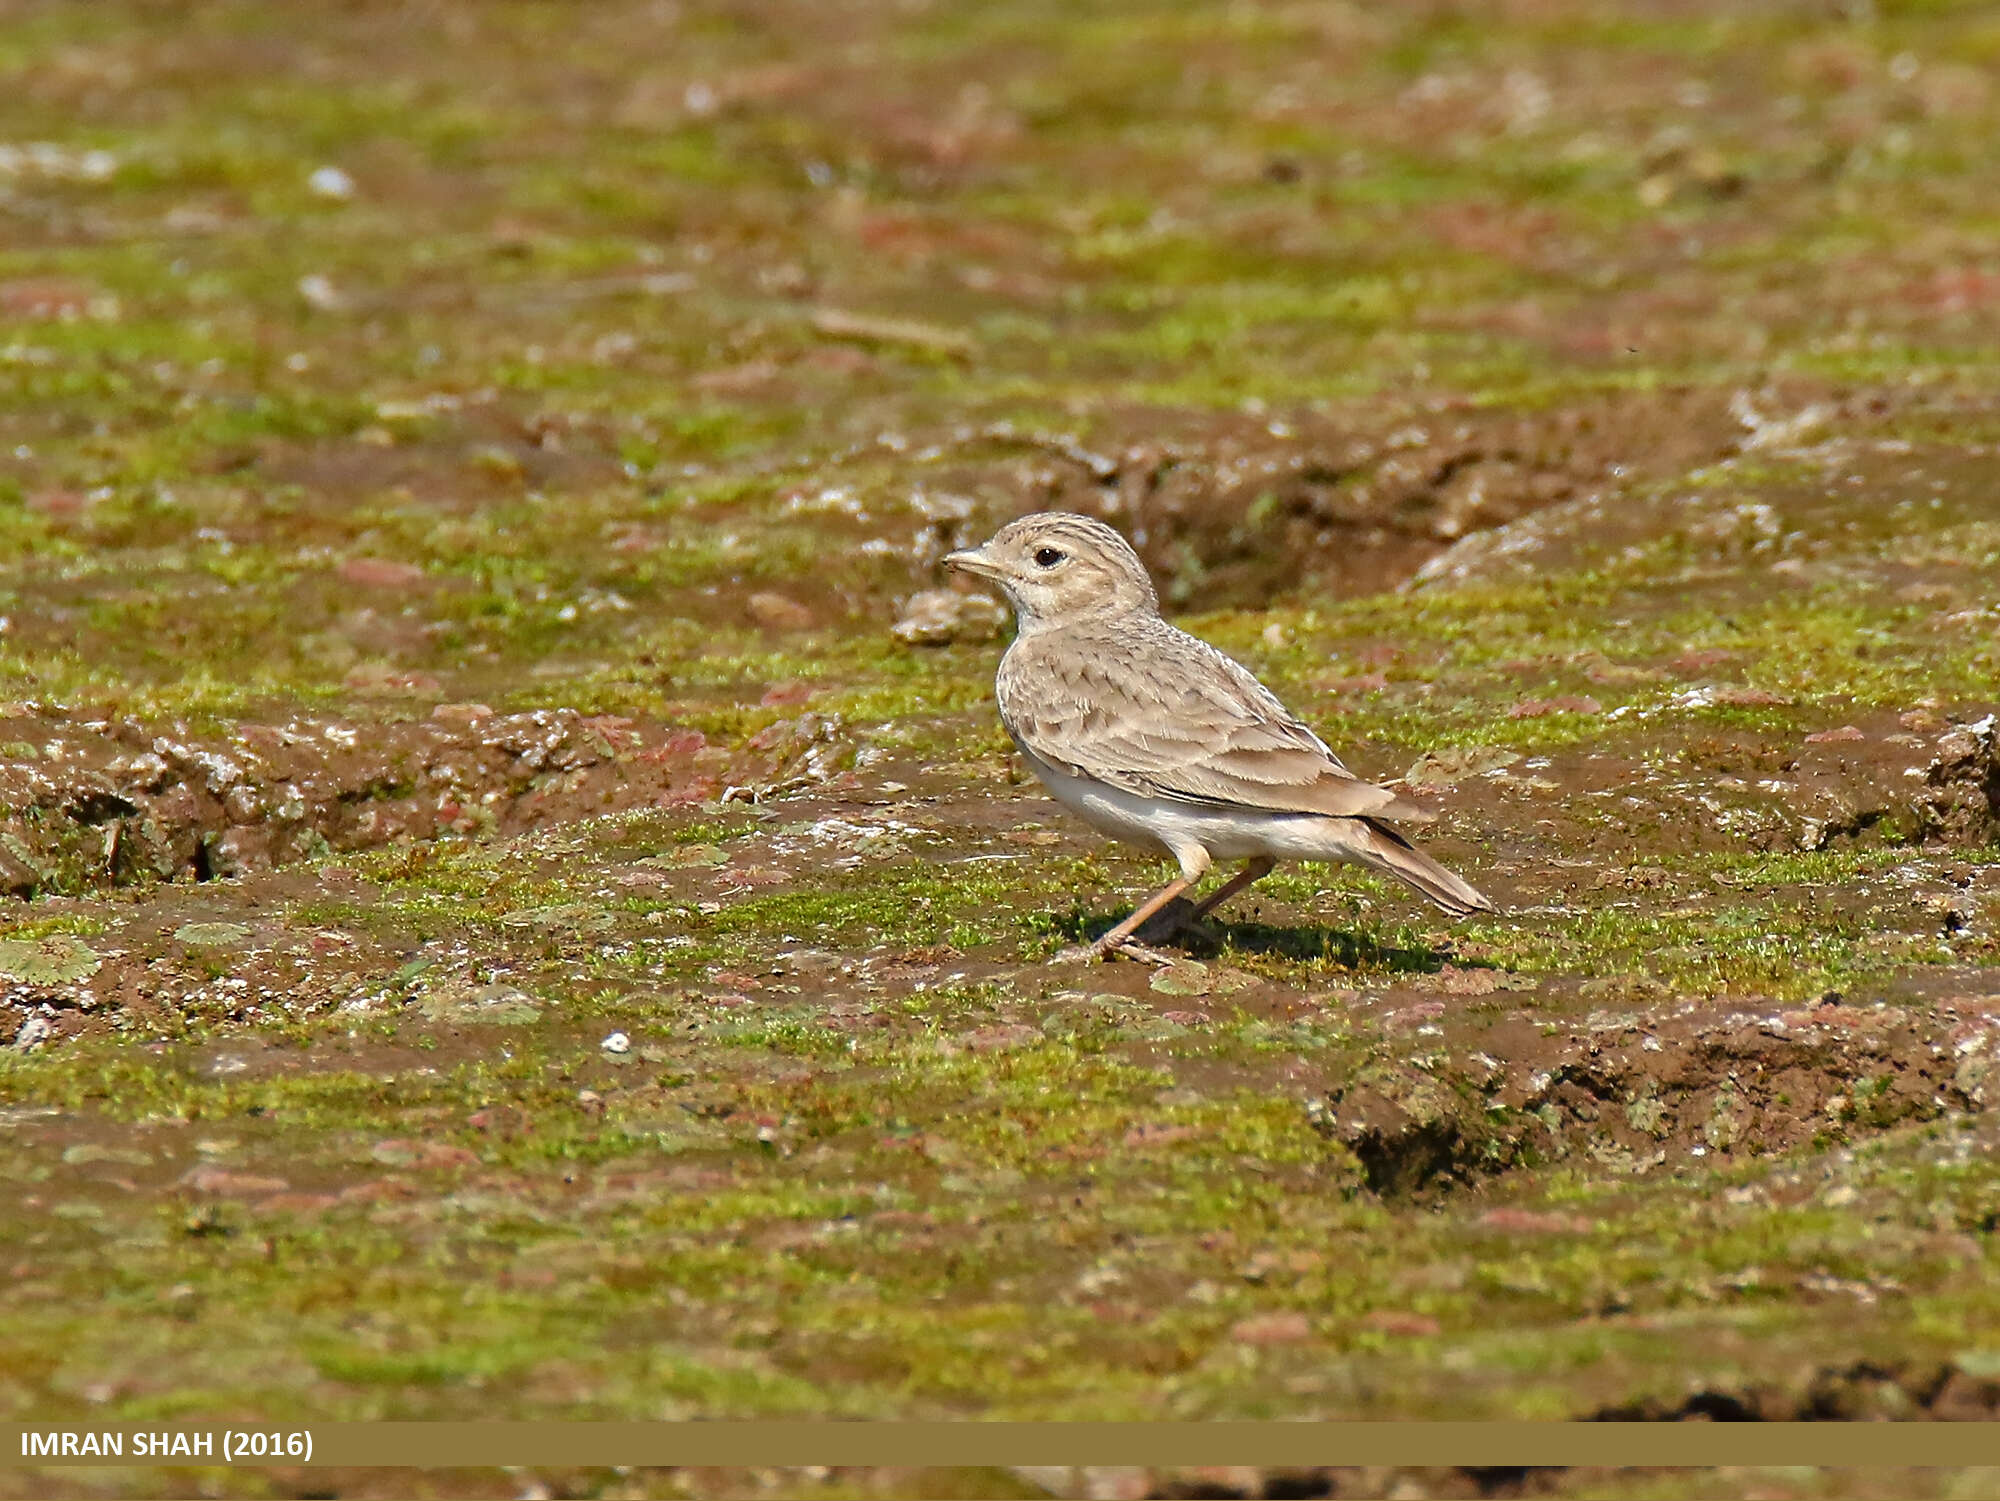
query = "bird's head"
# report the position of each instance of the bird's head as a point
(1057, 567)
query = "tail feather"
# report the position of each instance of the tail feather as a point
(1385, 849)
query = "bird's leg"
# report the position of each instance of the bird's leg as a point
(1253, 870)
(1117, 936)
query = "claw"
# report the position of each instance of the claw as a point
(1131, 950)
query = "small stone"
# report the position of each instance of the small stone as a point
(775, 612)
(33, 1032)
(1835, 736)
(617, 1043)
(332, 183)
(941, 617)
(320, 293)
(466, 714)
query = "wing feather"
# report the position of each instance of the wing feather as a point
(1163, 714)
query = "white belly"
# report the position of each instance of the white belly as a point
(1178, 827)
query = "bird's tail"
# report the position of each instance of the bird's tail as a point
(1382, 847)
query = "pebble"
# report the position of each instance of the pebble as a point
(319, 292)
(777, 613)
(617, 1042)
(940, 617)
(331, 182)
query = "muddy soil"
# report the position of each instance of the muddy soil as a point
(514, 900)
(179, 807)
(1233, 510)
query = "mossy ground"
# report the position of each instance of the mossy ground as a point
(639, 359)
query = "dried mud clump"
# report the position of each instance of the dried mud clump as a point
(944, 617)
(1229, 514)
(1897, 781)
(1630, 1092)
(1882, 779)
(1961, 797)
(87, 803)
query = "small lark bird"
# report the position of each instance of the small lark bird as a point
(1158, 739)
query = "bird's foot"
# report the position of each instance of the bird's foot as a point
(1127, 948)
(1132, 949)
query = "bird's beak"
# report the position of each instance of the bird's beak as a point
(973, 560)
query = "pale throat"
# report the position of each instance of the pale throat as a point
(1099, 609)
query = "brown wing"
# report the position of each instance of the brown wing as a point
(1165, 715)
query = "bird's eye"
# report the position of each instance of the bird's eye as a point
(1048, 557)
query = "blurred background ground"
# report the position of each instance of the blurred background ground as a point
(516, 898)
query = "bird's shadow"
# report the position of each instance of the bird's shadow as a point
(1209, 938)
